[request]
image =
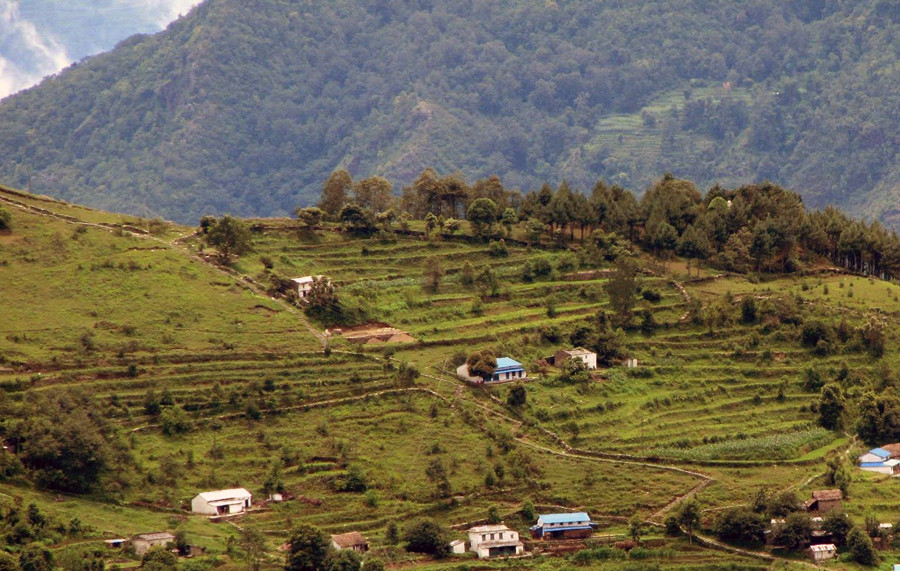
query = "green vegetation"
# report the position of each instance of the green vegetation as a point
(274, 97)
(180, 375)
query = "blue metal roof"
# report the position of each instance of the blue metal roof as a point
(873, 465)
(880, 452)
(505, 363)
(564, 518)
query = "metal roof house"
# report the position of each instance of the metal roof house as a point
(221, 502)
(563, 526)
(822, 552)
(508, 370)
(879, 460)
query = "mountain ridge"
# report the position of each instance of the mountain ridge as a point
(247, 107)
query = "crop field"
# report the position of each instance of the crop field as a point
(636, 145)
(135, 316)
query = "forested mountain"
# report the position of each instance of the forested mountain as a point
(247, 106)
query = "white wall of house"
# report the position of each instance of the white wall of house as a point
(869, 457)
(142, 545)
(878, 469)
(485, 538)
(589, 360)
(221, 502)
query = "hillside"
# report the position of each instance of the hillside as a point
(248, 106)
(178, 375)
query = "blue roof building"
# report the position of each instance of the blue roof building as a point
(879, 460)
(563, 526)
(508, 370)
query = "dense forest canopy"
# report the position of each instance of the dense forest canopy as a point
(247, 106)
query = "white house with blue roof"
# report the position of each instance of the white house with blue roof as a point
(879, 460)
(576, 525)
(507, 370)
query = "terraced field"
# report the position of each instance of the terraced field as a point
(138, 320)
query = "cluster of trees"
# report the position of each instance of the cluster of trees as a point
(746, 525)
(26, 531)
(5, 220)
(229, 235)
(65, 442)
(760, 227)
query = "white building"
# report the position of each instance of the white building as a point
(879, 460)
(457, 546)
(304, 285)
(221, 502)
(589, 358)
(494, 541)
(822, 552)
(143, 542)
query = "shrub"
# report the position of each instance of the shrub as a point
(566, 262)
(860, 547)
(425, 535)
(175, 421)
(498, 249)
(740, 525)
(815, 332)
(542, 267)
(651, 295)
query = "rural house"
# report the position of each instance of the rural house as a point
(562, 526)
(221, 502)
(589, 358)
(353, 541)
(143, 542)
(494, 541)
(879, 460)
(822, 552)
(824, 500)
(507, 370)
(304, 285)
(457, 547)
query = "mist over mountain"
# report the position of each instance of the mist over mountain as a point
(247, 106)
(41, 37)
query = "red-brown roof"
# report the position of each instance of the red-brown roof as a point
(348, 540)
(894, 449)
(827, 495)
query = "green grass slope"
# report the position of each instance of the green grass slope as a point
(126, 313)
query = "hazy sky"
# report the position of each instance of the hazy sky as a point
(40, 37)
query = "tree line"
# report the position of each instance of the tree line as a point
(753, 228)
